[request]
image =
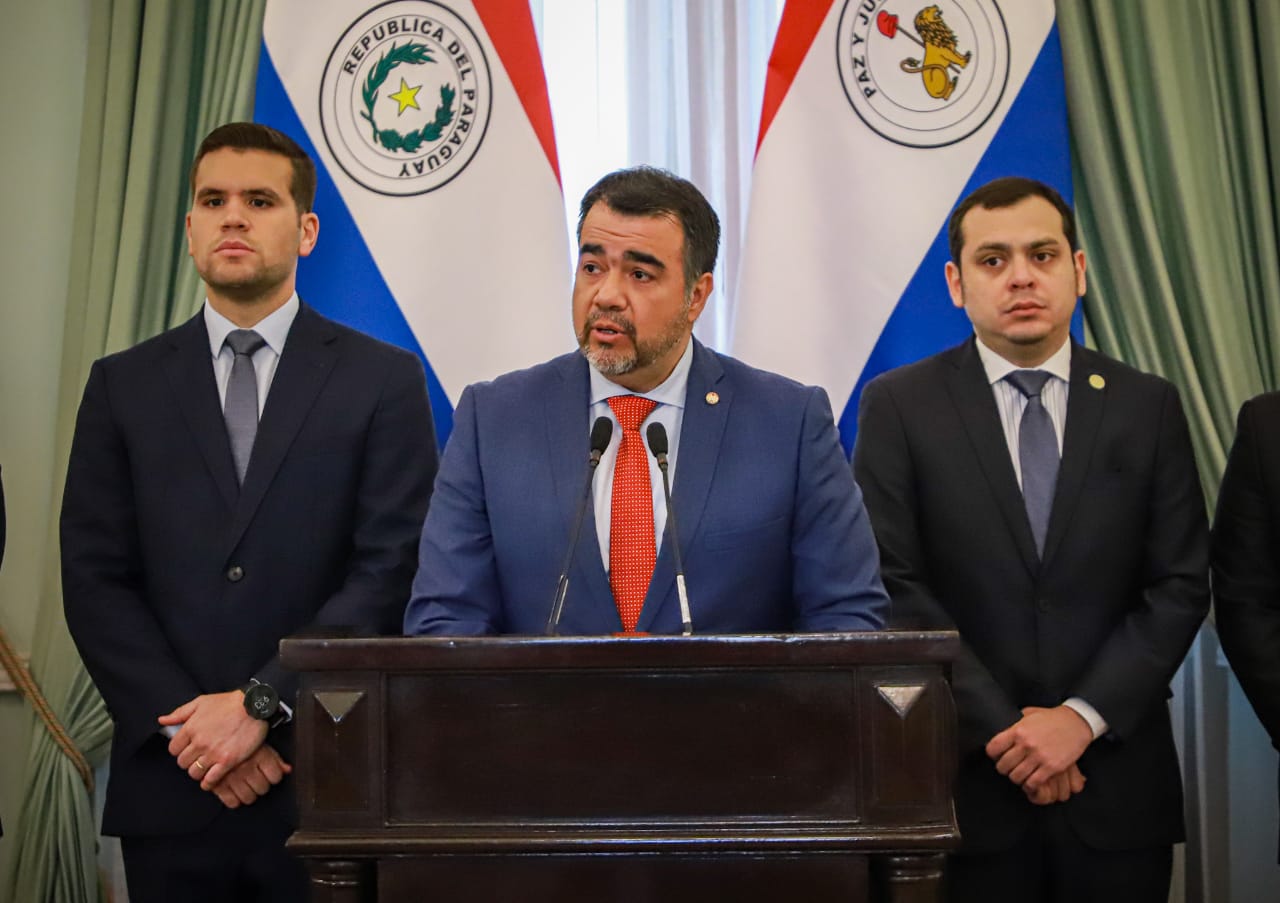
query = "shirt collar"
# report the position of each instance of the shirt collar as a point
(670, 391)
(997, 368)
(274, 327)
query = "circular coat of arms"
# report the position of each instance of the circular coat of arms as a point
(405, 97)
(923, 75)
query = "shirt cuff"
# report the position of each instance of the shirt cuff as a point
(1096, 722)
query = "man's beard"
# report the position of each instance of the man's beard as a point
(246, 287)
(621, 361)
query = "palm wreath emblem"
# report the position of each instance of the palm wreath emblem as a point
(411, 54)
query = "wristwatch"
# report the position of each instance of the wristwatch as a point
(262, 703)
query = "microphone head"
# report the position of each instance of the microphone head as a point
(657, 434)
(601, 433)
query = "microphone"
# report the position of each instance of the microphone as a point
(601, 433)
(657, 435)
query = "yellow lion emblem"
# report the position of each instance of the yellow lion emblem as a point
(939, 54)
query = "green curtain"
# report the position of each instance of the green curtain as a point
(1171, 122)
(159, 76)
(1174, 110)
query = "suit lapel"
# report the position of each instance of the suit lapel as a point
(589, 604)
(1085, 404)
(701, 434)
(308, 359)
(976, 405)
(189, 369)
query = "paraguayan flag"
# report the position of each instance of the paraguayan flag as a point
(441, 217)
(878, 116)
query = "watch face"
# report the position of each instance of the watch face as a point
(261, 701)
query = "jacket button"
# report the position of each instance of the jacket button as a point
(235, 573)
(1043, 604)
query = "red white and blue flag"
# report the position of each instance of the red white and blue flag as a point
(878, 116)
(441, 215)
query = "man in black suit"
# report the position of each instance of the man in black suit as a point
(253, 472)
(1246, 543)
(1056, 519)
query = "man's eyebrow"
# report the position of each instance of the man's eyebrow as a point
(248, 192)
(1005, 247)
(634, 256)
(642, 257)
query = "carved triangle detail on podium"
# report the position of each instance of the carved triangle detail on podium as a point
(900, 696)
(339, 703)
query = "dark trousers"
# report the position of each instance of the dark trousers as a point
(239, 858)
(1050, 864)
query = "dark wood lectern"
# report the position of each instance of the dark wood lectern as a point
(808, 768)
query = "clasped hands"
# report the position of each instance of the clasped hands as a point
(1039, 753)
(220, 746)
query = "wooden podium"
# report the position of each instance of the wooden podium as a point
(814, 767)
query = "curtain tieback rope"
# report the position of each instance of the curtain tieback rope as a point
(23, 680)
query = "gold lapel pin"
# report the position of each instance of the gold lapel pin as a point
(713, 398)
(1096, 381)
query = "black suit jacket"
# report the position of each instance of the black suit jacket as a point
(1107, 616)
(1246, 543)
(177, 582)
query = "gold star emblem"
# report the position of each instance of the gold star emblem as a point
(407, 97)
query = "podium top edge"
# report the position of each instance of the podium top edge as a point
(338, 651)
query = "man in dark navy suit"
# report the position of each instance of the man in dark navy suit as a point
(1044, 500)
(255, 471)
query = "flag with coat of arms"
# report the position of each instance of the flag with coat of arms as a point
(441, 215)
(878, 116)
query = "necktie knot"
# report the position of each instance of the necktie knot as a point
(631, 410)
(244, 341)
(1029, 382)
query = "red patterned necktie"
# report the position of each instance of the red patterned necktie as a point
(632, 552)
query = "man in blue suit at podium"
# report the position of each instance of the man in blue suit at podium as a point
(772, 531)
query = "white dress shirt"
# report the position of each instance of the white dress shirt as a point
(274, 329)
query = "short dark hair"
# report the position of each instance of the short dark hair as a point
(1006, 192)
(253, 136)
(649, 191)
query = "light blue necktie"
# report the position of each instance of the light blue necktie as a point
(240, 409)
(1037, 453)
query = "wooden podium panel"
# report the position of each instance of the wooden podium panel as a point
(812, 767)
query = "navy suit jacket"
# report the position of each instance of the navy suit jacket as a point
(1106, 616)
(773, 532)
(177, 582)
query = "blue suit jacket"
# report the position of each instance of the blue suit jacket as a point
(773, 532)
